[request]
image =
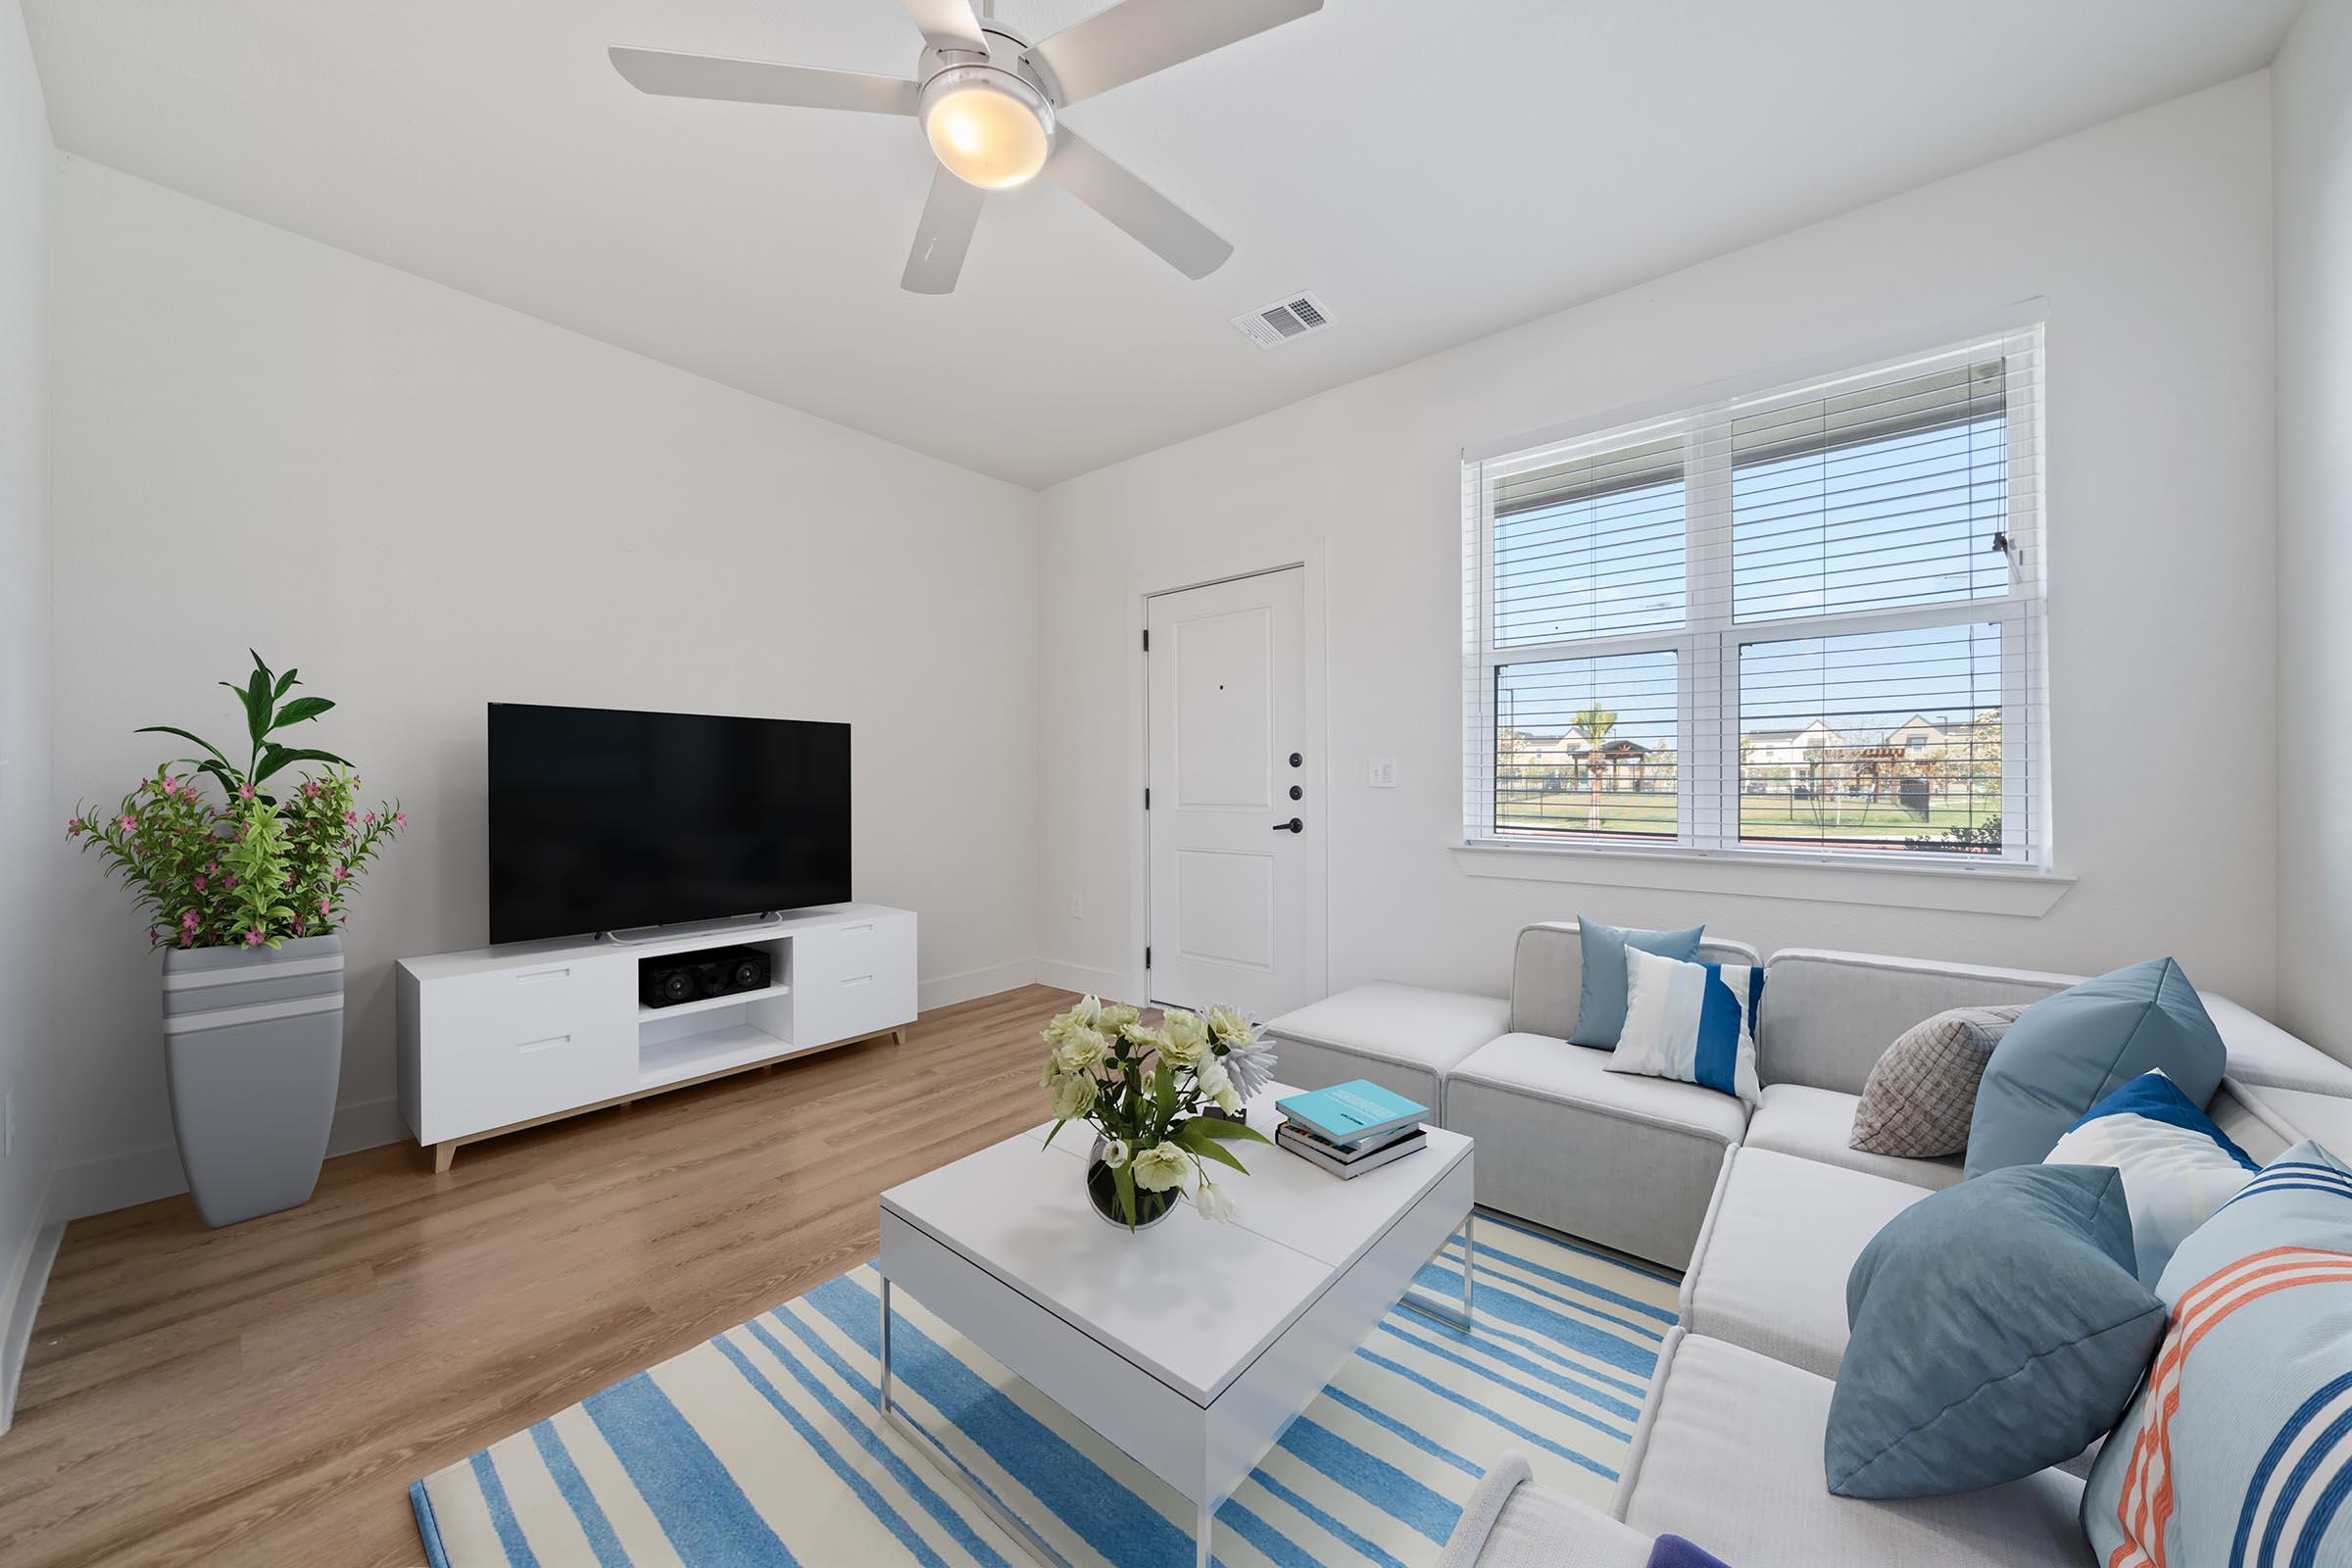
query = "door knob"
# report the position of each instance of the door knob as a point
(1293, 825)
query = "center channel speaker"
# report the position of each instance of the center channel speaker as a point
(695, 976)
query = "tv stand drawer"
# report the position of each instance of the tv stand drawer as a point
(857, 978)
(551, 998)
(512, 1045)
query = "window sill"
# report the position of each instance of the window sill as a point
(2019, 891)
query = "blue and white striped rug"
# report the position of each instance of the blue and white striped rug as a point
(763, 1445)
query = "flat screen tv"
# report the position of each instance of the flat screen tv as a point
(601, 821)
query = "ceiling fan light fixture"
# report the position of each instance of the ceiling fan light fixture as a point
(989, 128)
(990, 101)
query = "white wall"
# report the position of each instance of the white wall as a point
(2312, 85)
(25, 829)
(427, 501)
(2149, 236)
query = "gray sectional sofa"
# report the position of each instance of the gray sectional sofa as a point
(1765, 1213)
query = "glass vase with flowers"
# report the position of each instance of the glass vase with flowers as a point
(1165, 1100)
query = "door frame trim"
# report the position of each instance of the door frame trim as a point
(1314, 718)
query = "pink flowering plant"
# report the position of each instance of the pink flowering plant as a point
(235, 864)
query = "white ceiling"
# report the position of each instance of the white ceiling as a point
(1434, 171)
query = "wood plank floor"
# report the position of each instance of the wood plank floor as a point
(264, 1395)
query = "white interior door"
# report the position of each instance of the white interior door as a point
(1234, 811)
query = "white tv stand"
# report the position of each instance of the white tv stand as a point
(504, 1038)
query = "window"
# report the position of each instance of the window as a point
(1803, 621)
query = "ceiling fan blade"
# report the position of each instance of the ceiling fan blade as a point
(762, 81)
(1137, 37)
(947, 24)
(944, 236)
(1165, 229)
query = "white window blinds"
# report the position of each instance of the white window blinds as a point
(1803, 621)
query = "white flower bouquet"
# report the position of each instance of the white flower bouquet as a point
(1163, 1098)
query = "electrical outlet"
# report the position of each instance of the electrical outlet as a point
(1077, 906)
(1380, 773)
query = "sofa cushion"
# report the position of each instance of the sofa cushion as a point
(1602, 991)
(1540, 1528)
(1549, 1070)
(1819, 1124)
(1729, 1456)
(1997, 1328)
(1691, 1022)
(1548, 975)
(2177, 1166)
(2263, 1054)
(1402, 1038)
(1512, 1521)
(1921, 1093)
(1629, 1162)
(2266, 1122)
(1833, 1014)
(2073, 1050)
(1770, 1275)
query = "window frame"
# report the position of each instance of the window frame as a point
(1706, 646)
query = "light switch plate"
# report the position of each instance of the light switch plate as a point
(1380, 773)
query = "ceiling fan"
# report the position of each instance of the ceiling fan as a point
(991, 102)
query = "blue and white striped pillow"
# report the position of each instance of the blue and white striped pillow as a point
(1695, 1022)
(2237, 1451)
(2179, 1167)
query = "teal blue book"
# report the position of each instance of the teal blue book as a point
(1352, 1112)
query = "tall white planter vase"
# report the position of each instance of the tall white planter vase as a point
(254, 1042)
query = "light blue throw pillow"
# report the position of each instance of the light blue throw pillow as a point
(1600, 1002)
(2178, 1164)
(1997, 1328)
(2066, 1052)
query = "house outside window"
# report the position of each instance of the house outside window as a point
(1802, 621)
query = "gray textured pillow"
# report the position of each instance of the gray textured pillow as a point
(1923, 1091)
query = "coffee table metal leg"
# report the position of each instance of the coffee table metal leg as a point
(945, 1464)
(1446, 1312)
(885, 1399)
(1204, 1521)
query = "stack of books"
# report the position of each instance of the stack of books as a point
(1351, 1128)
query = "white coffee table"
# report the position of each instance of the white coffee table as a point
(1190, 1345)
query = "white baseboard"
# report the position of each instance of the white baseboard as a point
(1077, 977)
(143, 1175)
(119, 1181)
(949, 989)
(369, 1124)
(20, 1299)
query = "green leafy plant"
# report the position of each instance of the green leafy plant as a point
(251, 868)
(261, 692)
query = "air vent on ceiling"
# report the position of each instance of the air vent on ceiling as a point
(1292, 316)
